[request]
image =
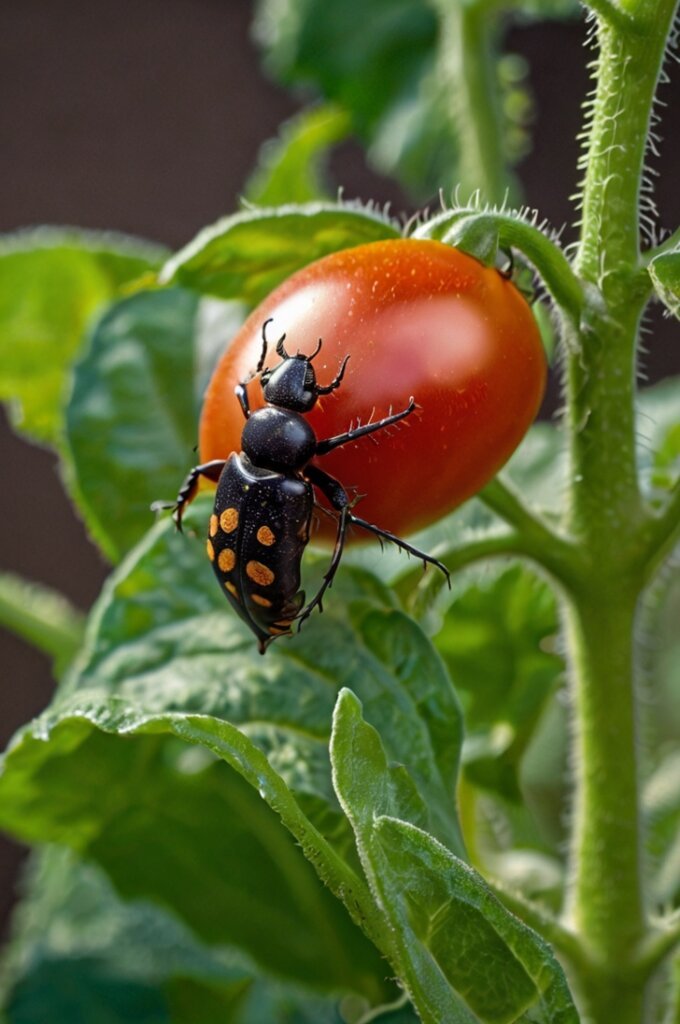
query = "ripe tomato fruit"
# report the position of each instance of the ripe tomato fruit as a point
(417, 318)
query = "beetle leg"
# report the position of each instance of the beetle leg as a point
(339, 499)
(404, 545)
(323, 447)
(316, 601)
(335, 383)
(187, 492)
(242, 394)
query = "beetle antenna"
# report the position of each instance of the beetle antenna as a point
(263, 356)
(280, 350)
(316, 351)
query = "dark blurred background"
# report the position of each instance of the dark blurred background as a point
(146, 116)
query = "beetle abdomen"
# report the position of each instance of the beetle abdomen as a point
(257, 535)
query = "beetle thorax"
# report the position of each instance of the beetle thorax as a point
(278, 439)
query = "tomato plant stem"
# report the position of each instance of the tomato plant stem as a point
(608, 520)
(607, 908)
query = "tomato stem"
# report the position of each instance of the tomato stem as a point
(607, 902)
(534, 537)
(471, 229)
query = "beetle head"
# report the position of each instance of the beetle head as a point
(292, 384)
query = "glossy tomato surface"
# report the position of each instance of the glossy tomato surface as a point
(416, 318)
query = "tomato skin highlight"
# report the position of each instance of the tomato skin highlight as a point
(417, 318)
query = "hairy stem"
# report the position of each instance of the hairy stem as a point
(607, 517)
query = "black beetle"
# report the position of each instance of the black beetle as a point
(265, 497)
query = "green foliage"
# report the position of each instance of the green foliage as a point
(245, 256)
(153, 667)
(457, 947)
(664, 270)
(374, 61)
(51, 282)
(82, 954)
(498, 642)
(290, 167)
(280, 839)
(387, 65)
(133, 417)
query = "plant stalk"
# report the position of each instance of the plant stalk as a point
(607, 518)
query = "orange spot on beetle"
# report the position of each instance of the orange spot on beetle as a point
(260, 573)
(226, 559)
(264, 602)
(232, 590)
(210, 550)
(214, 525)
(229, 520)
(266, 536)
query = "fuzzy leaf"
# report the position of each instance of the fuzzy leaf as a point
(445, 913)
(80, 953)
(461, 955)
(164, 659)
(245, 256)
(51, 283)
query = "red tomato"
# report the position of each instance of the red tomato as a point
(416, 318)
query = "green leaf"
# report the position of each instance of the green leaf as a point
(664, 271)
(499, 643)
(445, 914)
(455, 947)
(165, 657)
(291, 167)
(80, 953)
(245, 256)
(51, 283)
(381, 62)
(374, 60)
(188, 832)
(132, 419)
